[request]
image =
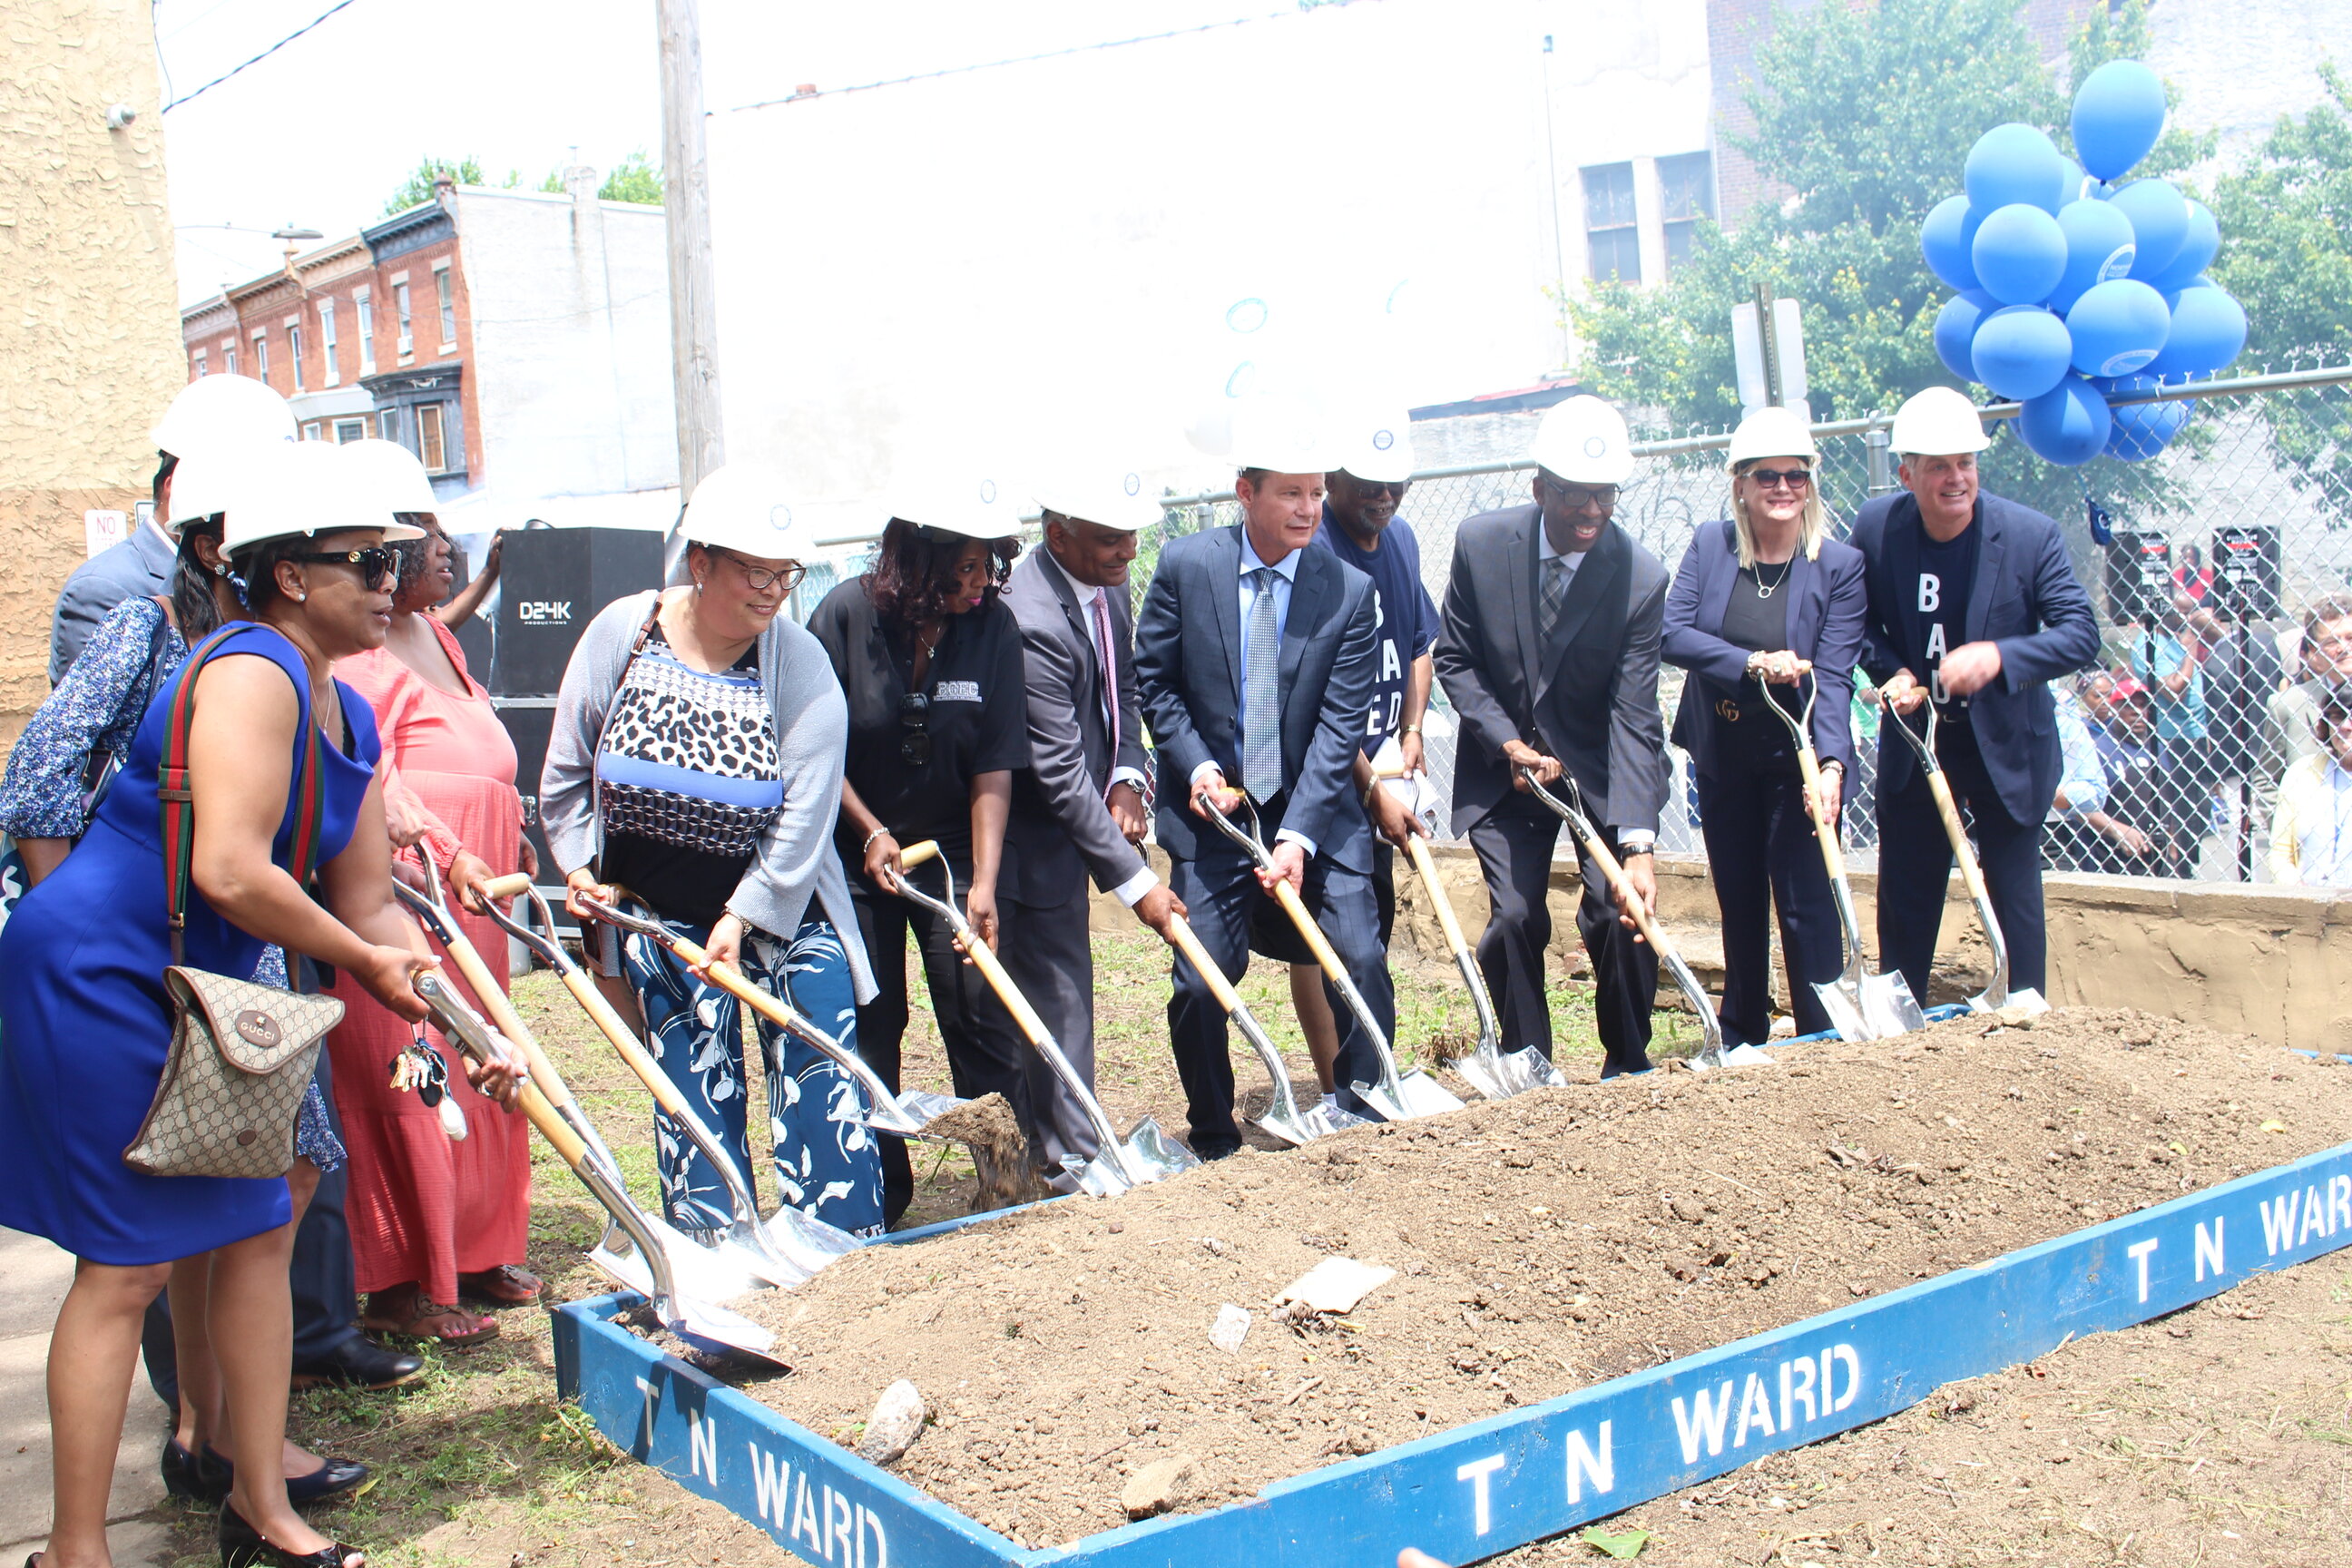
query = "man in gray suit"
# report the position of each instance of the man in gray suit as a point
(1256, 657)
(1549, 652)
(1077, 809)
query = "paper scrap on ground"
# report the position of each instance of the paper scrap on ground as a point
(1336, 1284)
(1232, 1327)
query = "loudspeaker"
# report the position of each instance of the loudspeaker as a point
(2246, 571)
(2139, 575)
(552, 584)
(528, 722)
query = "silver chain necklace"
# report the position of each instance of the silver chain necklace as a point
(1763, 591)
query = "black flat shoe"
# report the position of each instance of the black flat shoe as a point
(187, 1475)
(332, 1479)
(358, 1363)
(242, 1546)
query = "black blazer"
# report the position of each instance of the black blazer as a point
(1827, 606)
(1188, 663)
(1059, 827)
(2025, 598)
(1589, 699)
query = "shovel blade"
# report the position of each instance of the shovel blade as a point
(1498, 1074)
(1308, 1125)
(1742, 1056)
(1146, 1154)
(1842, 1000)
(2026, 1000)
(910, 1114)
(709, 1273)
(715, 1330)
(807, 1243)
(1889, 1007)
(1416, 1094)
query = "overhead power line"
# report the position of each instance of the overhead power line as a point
(339, 6)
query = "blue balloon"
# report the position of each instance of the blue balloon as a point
(2197, 250)
(2142, 429)
(2015, 164)
(2118, 115)
(1944, 240)
(2117, 327)
(2209, 330)
(2068, 425)
(2020, 254)
(2100, 245)
(2159, 219)
(2021, 352)
(1955, 329)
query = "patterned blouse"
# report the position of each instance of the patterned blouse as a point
(96, 708)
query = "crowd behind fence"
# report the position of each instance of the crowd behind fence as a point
(2201, 561)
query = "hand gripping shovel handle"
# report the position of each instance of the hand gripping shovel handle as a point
(1808, 768)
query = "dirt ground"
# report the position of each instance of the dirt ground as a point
(478, 1464)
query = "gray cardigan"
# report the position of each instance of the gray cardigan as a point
(796, 860)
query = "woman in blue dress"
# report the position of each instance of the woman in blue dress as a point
(85, 1026)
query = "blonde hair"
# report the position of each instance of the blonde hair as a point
(1812, 526)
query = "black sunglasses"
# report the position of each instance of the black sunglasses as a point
(1770, 478)
(375, 562)
(914, 714)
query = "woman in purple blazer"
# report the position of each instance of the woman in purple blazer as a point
(1767, 596)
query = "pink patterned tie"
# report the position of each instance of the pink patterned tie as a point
(1109, 660)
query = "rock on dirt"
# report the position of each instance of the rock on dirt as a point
(896, 1423)
(1159, 1486)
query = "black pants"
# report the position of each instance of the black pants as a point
(1222, 891)
(1914, 868)
(1515, 843)
(321, 1275)
(1761, 852)
(987, 1053)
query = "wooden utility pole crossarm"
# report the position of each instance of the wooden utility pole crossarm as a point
(693, 317)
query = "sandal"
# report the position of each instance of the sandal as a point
(508, 1285)
(414, 1315)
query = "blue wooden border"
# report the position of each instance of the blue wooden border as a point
(1536, 1472)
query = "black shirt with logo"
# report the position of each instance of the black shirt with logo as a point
(916, 777)
(1937, 605)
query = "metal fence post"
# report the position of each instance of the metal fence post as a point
(1880, 448)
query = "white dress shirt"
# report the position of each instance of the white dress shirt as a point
(1143, 881)
(1286, 577)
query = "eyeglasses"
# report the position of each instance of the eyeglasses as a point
(781, 579)
(1773, 478)
(375, 562)
(914, 715)
(1581, 498)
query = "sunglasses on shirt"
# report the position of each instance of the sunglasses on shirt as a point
(914, 715)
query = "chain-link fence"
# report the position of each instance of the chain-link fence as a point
(2202, 557)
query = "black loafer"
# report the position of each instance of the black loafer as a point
(358, 1363)
(332, 1479)
(243, 1546)
(187, 1475)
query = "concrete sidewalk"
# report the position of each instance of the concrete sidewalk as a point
(34, 1275)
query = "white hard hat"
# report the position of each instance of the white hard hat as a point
(1283, 437)
(1772, 433)
(1585, 442)
(208, 477)
(972, 507)
(307, 486)
(235, 409)
(1937, 423)
(398, 477)
(1125, 504)
(742, 506)
(1382, 453)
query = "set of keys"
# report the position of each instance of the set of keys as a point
(421, 1070)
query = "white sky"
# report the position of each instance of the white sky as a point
(320, 134)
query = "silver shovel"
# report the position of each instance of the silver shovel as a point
(698, 1321)
(1397, 1097)
(1861, 1005)
(1283, 1117)
(1145, 1153)
(1710, 1053)
(1997, 996)
(797, 1245)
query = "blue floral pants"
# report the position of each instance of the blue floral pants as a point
(827, 1165)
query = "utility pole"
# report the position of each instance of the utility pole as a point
(685, 206)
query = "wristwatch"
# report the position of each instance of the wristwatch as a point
(1411, 730)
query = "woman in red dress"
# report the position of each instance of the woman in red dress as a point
(434, 1220)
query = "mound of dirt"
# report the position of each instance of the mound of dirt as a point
(1542, 1243)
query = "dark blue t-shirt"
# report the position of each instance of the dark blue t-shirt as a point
(1937, 606)
(1408, 616)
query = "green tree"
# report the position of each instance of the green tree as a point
(418, 189)
(636, 178)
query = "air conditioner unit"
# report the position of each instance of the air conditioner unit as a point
(407, 343)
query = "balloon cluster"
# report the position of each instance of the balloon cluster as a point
(2074, 286)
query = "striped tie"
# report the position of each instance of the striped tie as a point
(1107, 652)
(1261, 701)
(1555, 594)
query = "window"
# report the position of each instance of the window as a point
(261, 356)
(399, 310)
(228, 359)
(294, 354)
(201, 369)
(310, 430)
(430, 444)
(1611, 237)
(332, 373)
(349, 430)
(366, 308)
(448, 307)
(387, 424)
(1686, 194)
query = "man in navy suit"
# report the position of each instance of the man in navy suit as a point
(1974, 606)
(1255, 660)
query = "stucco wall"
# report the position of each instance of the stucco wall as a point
(89, 349)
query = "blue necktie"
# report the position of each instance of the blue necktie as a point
(1261, 698)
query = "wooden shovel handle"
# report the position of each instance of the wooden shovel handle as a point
(1009, 994)
(507, 886)
(608, 1023)
(1612, 871)
(1833, 852)
(1949, 809)
(501, 1013)
(1317, 942)
(916, 854)
(1186, 941)
(1426, 864)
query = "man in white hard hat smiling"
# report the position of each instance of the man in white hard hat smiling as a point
(1974, 606)
(1549, 654)
(1255, 659)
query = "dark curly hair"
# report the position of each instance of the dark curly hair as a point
(913, 574)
